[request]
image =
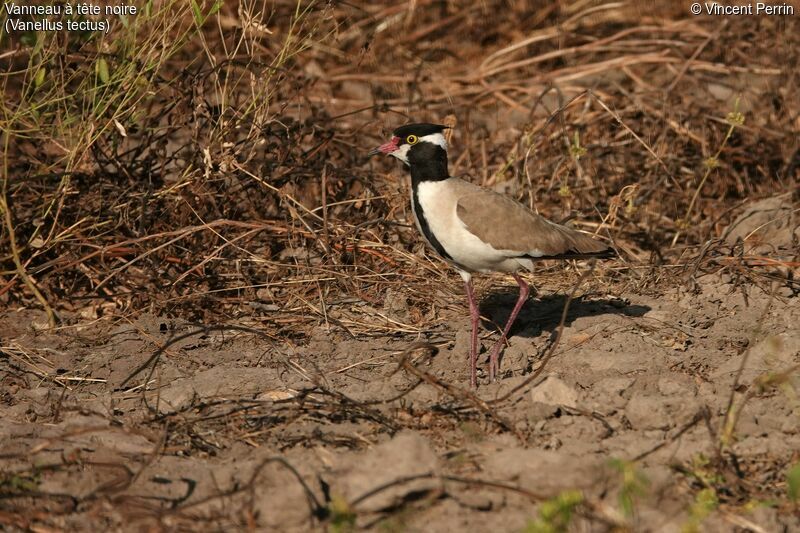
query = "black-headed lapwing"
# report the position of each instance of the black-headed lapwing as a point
(478, 230)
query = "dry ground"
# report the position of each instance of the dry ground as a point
(216, 314)
(238, 432)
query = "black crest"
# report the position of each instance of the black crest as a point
(420, 130)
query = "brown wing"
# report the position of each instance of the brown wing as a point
(506, 224)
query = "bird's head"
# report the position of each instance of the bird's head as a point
(415, 142)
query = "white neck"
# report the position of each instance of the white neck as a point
(435, 138)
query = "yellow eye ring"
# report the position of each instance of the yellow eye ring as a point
(412, 139)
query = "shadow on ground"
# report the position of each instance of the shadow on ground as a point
(544, 313)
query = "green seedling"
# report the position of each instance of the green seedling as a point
(555, 515)
(634, 485)
(793, 484)
(342, 516)
(704, 503)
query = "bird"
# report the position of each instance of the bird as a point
(477, 230)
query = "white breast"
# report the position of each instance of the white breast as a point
(439, 201)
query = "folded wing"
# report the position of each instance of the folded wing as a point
(505, 224)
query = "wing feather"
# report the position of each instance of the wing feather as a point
(506, 224)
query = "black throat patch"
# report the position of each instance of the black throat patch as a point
(428, 162)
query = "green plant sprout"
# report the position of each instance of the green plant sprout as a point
(634, 485)
(556, 513)
(704, 503)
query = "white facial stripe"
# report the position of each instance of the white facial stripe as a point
(435, 138)
(402, 153)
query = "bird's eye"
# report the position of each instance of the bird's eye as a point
(412, 139)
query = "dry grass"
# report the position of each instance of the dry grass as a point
(226, 171)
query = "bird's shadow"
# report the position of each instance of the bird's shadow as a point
(543, 313)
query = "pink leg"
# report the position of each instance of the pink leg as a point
(475, 316)
(524, 290)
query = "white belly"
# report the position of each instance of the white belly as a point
(439, 205)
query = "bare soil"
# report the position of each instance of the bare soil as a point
(238, 431)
